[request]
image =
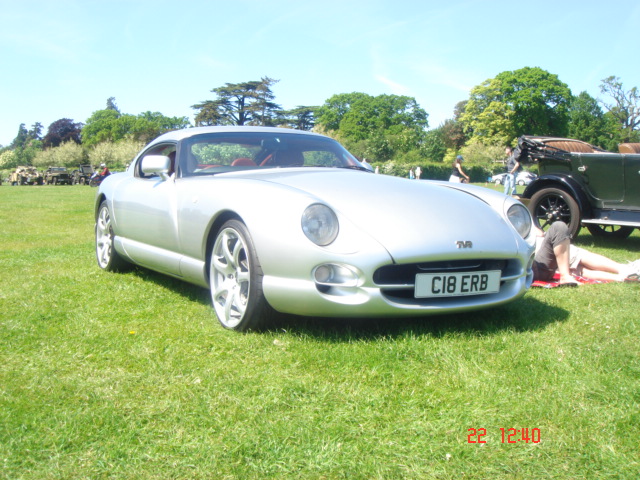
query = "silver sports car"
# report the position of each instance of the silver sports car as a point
(277, 220)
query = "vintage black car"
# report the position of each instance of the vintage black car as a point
(581, 184)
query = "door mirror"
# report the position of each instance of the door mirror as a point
(156, 165)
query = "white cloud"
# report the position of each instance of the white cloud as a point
(396, 88)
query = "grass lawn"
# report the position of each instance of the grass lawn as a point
(129, 376)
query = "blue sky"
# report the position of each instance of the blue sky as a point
(64, 59)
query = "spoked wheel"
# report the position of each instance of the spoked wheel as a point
(108, 258)
(236, 280)
(550, 205)
(609, 231)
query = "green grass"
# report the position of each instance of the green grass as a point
(129, 376)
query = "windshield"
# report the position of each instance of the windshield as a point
(223, 152)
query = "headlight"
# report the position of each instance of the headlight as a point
(520, 218)
(320, 224)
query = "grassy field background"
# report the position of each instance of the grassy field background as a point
(129, 376)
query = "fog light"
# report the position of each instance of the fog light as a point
(332, 274)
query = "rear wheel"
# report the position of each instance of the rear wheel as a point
(235, 277)
(550, 205)
(609, 231)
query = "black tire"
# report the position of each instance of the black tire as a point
(550, 205)
(609, 231)
(235, 278)
(106, 255)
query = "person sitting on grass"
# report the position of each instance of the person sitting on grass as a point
(554, 253)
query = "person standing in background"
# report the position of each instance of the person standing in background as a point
(513, 165)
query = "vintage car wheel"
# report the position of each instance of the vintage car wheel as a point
(609, 231)
(108, 258)
(550, 205)
(236, 280)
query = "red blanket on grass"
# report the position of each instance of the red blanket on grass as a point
(556, 283)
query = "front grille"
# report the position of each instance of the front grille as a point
(397, 282)
(398, 275)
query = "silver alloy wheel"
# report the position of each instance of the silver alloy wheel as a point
(104, 238)
(230, 277)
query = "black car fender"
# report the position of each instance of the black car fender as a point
(562, 182)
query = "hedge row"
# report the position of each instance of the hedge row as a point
(477, 173)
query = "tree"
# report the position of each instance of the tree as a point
(8, 159)
(112, 126)
(453, 134)
(26, 144)
(25, 137)
(374, 127)
(301, 118)
(21, 138)
(435, 145)
(264, 110)
(68, 154)
(336, 108)
(529, 101)
(149, 125)
(101, 126)
(115, 155)
(61, 131)
(111, 104)
(625, 108)
(587, 121)
(247, 103)
(36, 131)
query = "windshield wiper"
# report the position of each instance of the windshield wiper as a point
(356, 167)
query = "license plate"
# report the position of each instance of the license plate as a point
(457, 284)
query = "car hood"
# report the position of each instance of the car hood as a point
(409, 217)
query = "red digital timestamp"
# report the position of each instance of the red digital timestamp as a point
(509, 435)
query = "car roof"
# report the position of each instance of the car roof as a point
(178, 135)
(566, 144)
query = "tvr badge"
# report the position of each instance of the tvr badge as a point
(464, 244)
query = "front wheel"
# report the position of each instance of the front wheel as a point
(235, 276)
(108, 258)
(609, 231)
(550, 205)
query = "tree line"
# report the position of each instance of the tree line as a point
(389, 130)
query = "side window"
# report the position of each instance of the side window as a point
(168, 150)
(208, 157)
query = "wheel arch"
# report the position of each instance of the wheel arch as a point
(561, 182)
(211, 235)
(99, 199)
